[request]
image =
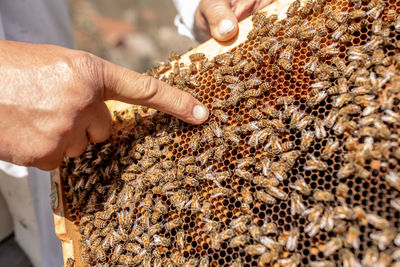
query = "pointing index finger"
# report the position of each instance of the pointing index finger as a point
(131, 87)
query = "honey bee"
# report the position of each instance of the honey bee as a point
(370, 257)
(244, 174)
(265, 182)
(257, 56)
(205, 65)
(220, 191)
(319, 127)
(230, 136)
(284, 100)
(100, 223)
(173, 223)
(276, 27)
(324, 263)
(342, 190)
(203, 158)
(273, 51)
(349, 259)
(383, 238)
(234, 98)
(116, 254)
(393, 180)
(251, 102)
(325, 196)
(332, 246)
(329, 50)
(197, 57)
(133, 247)
(292, 31)
(291, 21)
(178, 258)
(231, 79)
(240, 224)
(249, 67)
(395, 203)
(274, 145)
(312, 64)
(352, 238)
(376, 12)
(330, 120)
(391, 15)
(317, 99)
(264, 197)
(218, 103)
(204, 261)
(187, 160)
(218, 77)
(339, 32)
(377, 221)
(193, 68)
(314, 164)
(292, 9)
(239, 241)
(254, 250)
(353, 27)
(180, 239)
(306, 32)
(276, 192)
(222, 116)
(290, 158)
(210, 226)
(293, 235)
(307, 138)
(278, 170)
(252, 82)
(256, 114)
(297, 206)
(315, 43)
(268, 42)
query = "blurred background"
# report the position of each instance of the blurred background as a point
(133, 33)
(137, 34)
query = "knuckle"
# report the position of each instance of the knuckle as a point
(150, 88)
(181, 104)
(89, 65)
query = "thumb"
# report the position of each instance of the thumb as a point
(131, 87)
(217, 16)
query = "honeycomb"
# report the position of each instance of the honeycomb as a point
(298, 165)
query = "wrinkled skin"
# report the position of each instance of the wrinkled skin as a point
(52, 101)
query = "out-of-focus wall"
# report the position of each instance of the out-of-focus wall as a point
(134, 33)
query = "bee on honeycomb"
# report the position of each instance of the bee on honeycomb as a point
(299, 163)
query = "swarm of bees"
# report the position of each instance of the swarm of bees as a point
(299, 163)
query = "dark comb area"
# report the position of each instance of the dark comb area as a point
(298, 165)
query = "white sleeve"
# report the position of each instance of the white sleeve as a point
(184, 20)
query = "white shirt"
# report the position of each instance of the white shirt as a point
(184, 20)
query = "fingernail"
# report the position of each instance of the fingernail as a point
(225, 26)
(200, 112)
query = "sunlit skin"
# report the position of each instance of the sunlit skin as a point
(52, 98)
(52, 101)
(212, 16)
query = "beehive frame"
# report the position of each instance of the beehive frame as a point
(65, 228)
(330, 177)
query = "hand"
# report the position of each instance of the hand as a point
(219, 18)
(52, 101)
